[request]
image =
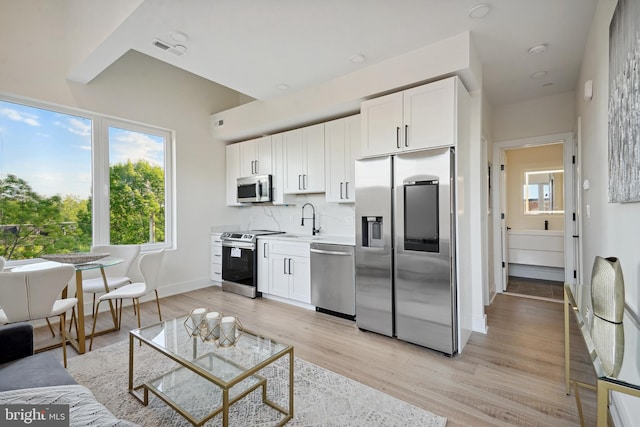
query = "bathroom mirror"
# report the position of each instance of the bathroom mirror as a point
(543, 192)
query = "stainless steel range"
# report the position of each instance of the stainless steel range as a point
(239, 263)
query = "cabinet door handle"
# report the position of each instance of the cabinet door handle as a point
(284, 264)
(290, 266)
(299, 185)
(341, 190)
(346, 192)
(397, 136)
(264, 250)
(252, 167)
(304, 182)
(256, 162)
(406, 135)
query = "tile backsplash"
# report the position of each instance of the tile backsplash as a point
(331, 218)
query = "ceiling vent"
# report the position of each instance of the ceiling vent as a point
(177, 50)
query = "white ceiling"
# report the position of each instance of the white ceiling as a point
(253, 46)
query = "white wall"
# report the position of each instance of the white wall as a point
(33, 65)
(613, 228)
(535, 117)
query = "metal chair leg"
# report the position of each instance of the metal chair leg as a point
(93, 329)
(64, 338)
(120, 315)
(136, 301)
(158, 302)
(53, 334)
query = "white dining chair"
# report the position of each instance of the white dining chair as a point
(150, 264)
(33, 295)
(117, 275)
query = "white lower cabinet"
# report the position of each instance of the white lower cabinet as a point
(284, 269)
(216, 257)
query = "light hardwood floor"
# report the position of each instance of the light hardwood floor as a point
(513, 375)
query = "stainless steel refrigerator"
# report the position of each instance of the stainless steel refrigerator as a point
(405, 248)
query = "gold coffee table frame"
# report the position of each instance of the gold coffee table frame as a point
(198, 361)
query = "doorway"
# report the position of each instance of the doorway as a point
(538, 230)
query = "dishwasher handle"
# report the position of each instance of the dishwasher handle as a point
(322, 251)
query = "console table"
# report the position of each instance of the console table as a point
(615, 364)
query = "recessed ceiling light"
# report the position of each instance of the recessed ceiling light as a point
(283, 86)
(180, 48)
(357, 59)
(179, 36)
(538, 74)
(479, 11)
(539, 48)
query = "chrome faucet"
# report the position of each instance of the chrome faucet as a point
(314, 230)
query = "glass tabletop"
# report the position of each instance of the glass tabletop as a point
(104, 262)
(223, 365)
(613, 347)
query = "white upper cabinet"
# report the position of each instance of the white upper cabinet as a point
(304, 160)
(415, 119)
(255, 157)
(233, 173)
(342, 148)
(277, 161)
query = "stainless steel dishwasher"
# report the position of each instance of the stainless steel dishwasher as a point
(333, 287)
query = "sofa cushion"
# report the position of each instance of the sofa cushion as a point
(38, 370)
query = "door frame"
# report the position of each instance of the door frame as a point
(566, 138)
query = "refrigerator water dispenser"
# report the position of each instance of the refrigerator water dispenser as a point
(372, 232)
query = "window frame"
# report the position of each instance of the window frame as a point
(100, 169)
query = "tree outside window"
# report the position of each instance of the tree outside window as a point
(47, 182)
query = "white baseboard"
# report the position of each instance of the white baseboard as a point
(624, 410)
(480, 324)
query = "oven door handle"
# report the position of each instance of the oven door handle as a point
(239, 245)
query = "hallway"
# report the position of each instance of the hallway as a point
(535, 288)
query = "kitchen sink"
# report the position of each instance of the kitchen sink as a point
(293, 236)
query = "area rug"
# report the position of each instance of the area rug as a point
(321, 397)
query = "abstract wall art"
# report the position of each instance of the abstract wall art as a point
(624, 103)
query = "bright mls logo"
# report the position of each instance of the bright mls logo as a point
(34, 415)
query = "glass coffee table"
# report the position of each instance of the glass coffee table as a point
(206, 379)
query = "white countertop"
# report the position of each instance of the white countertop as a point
(319, 238)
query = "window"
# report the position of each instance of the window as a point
(69, 180)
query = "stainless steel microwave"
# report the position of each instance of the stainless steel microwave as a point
(254, 189)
